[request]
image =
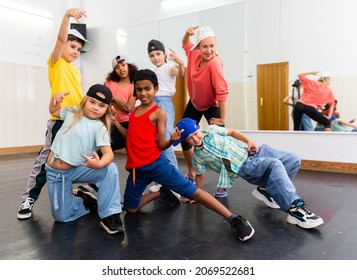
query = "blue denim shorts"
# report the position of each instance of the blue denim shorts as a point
(161, 172)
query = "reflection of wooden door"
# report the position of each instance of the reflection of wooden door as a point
(272, 87)
(180, 98)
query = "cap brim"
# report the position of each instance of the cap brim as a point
(87, 46)
(194, 47)
(177, 142)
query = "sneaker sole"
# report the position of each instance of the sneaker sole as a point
(261, 197)
(295, 221)
(166, 199)
(108, 230)
(154, 188)
(24, 216)
(249, 236)
(178, 196)
(219, 196)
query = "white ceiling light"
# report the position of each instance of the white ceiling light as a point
(179, 3)
(196, 4)
(26, 10)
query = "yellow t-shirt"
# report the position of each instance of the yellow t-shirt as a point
(65, 77)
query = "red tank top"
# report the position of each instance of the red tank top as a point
(141, 140)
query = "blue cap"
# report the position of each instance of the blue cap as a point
(189, 125)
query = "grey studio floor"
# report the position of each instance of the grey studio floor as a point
(187, 232)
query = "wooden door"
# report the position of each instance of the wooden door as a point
(180, 98)
(272, 87)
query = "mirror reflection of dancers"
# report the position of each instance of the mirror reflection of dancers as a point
(297, 91)
(316, 94)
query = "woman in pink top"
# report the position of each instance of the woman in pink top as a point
(316, 94)
(120, 82)
(207, 87)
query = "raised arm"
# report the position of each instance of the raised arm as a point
(189, 32)
(179, 69)
(307, 73)
(63, 31)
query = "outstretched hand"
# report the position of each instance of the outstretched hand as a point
(191, 30)
(175, 57)
(76, 13)
(92, 161)
(176, 134)
(59, 97)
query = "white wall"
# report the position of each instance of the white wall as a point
(249, 33)
(27, 41)
(333, 147)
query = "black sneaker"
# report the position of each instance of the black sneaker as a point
(299, 214)
(168, 197)
(93, 186)
(112, 224)
(89, 200)
(243, 227)
(88, 190)
(25, 210)
(262, 195)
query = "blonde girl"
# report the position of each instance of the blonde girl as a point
(73, 159)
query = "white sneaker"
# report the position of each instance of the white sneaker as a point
(299, 214)
(25, 210)
(260, 194)
(154, 188)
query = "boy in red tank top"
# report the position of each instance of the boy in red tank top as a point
(145, 140)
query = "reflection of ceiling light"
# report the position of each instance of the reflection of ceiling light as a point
(26, 10)
(196, 4)
(179, 3)
(121, 33)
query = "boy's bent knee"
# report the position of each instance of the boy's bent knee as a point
(199, 194)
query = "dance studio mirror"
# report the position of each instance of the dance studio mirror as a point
(260, 32)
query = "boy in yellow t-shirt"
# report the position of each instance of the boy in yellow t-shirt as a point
(64, 78)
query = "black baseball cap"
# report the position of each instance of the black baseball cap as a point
(92, 92)
(155, 45)
(145, 74)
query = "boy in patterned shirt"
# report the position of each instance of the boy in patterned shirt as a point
(233, 155)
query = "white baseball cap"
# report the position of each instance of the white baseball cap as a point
(86, 45)
(120, 59)
(203, 32)
(324, 75)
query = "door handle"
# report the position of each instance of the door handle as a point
(261, 101)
